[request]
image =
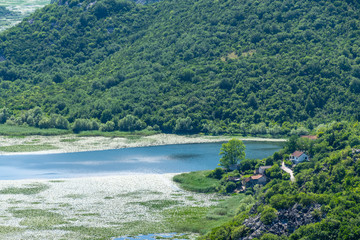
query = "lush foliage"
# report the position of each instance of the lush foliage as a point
(198, 181)
(232, 153)
(330, 179)
(184, 66)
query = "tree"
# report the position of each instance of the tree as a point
(131, 123)
(230, 187)
(100, 10)
(291, 144)
(355, 85)
(4, 115)
(186, 75)
(106, 116)
(61, 122)
(252, 102)
(45, 123)
(108, 127)
(232, 153)
(183, 125)
(58, 78)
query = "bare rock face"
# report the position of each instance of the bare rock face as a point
(288, 220)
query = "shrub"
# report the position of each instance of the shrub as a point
(84, 125)
(305, 199)
(108, 127)
(100, 10)
(183, 125)
(216, 173)
(269, 236)
(186, 75)
(131, 123)
(268, 215)
(45, 123)
(239, 232)
(281, 201)
(61, 123)
(230, 187)
(4, 115)
(58, 78)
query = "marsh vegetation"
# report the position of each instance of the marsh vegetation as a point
(104, 207)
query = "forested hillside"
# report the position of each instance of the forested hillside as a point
(323, 202)
(183, 66)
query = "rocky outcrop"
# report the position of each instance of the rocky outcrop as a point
(288, 220)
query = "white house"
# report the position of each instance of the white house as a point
(298, 157)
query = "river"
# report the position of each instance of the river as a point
(157, 159)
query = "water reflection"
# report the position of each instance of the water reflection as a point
(183, 156)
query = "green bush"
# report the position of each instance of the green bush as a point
(131, 123)
(197, 182)
(217, 173)
(269, 236)
(268, 215)
(239, 232)
(282, 201)
(230, 187)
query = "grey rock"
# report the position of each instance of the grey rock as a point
(288, 220)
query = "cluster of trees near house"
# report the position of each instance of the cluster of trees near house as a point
(331, 179)
(234, 165)
(249, 67)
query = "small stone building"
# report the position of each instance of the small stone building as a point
(253, 180)
(261, 170)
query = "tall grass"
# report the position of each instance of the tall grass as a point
(18, 131)
(38, 218)
(27, 148)
(29, 189)
(7, 130)
(130, 135)
(203, 219)
(197, 182)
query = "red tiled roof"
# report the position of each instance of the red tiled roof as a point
(255, 177)
(297, 153)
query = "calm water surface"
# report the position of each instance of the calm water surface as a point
(158, 159)
(153, 237)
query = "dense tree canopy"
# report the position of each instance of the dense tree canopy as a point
(328, 185)
(251, 67)
(232, 153)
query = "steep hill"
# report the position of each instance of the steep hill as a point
(323, 202)
(184, 66)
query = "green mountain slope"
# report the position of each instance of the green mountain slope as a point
(323, 202)
(184, 66)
